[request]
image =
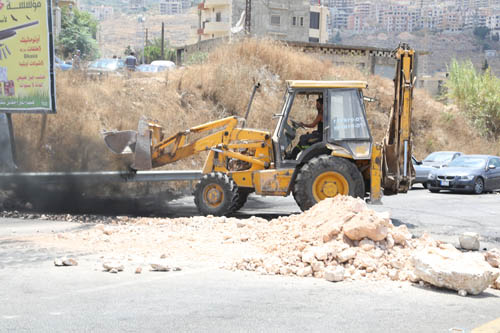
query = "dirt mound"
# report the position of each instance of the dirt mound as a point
(338, 239)
(336, 233)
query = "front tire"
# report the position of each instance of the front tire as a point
(478, 186)
(216, 194)
(326, 177)
(243, 194)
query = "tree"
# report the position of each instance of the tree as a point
(495, 37)
(78, 32)
(128, 50)
(152, 51)
(481, 32)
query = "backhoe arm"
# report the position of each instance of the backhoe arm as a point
(397, 169)
(175, 148)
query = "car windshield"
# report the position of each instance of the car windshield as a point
(468, 162)
(111, 64)
(439, 157)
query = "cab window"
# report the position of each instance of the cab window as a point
(347, 118)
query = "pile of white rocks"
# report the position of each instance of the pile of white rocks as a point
(342, 239)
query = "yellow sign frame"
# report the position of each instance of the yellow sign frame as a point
(27, 83)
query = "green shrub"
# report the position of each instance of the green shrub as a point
(477, 96)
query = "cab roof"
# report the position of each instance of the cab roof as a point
(327, 84)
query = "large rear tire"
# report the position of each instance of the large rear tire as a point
(326, 177)
(216, 194)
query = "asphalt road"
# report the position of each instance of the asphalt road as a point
(36, 296)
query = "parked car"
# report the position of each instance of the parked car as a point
(434, 160)
(106, 66)
(471, 173)
(151, 68)
(164, 63)
(59, 64)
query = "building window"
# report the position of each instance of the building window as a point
(294, 20)
(314, 24)
(313, 40)
(301, 21)
(218, 17)
(275, 20)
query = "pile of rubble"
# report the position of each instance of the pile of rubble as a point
(342, 239)
(339, 239)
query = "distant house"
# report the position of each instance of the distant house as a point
(102, 12)
(280, 19)
(490, 53)
(136, 5)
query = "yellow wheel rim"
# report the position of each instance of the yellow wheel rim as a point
(213, 195)
(329, 184)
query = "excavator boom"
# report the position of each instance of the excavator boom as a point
(397, 169)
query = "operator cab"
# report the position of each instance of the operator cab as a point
(344, 126)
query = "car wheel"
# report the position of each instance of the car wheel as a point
(478, 186)
(425, 185)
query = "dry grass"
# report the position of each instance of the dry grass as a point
(200, 93)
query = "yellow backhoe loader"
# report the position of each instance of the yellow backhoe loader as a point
(344, 160)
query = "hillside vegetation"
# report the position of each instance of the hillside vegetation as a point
(217, 88)
(477, 96)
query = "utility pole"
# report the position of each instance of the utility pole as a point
(248, 16)
(162, 41)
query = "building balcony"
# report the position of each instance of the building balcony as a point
(208, 4)
(214, 28)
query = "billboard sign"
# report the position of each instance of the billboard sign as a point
(26, 57)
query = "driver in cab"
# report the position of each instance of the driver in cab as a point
(309, 139)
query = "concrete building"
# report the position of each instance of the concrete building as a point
(318, 28)
(339, 18)
(173, 7)
(280, 19)
(214, 19)
(170, 7)
(102, 12)
(136, 5)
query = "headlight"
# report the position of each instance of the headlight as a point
(431, 176)
(466, 177)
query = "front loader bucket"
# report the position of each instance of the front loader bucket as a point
(129, 142)
(143, 147)
(121, 142)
